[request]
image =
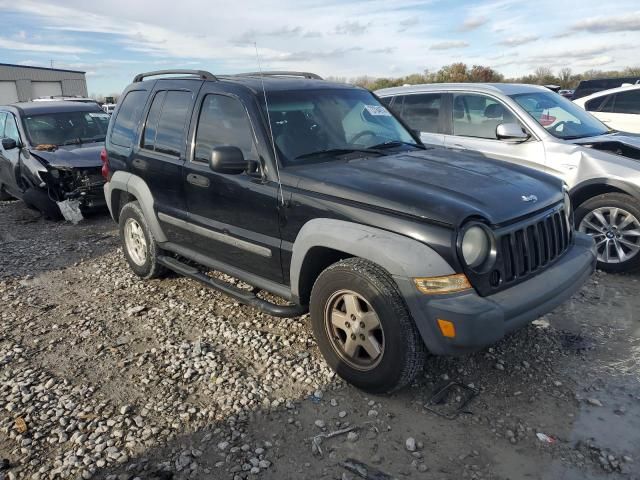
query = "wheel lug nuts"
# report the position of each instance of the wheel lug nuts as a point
(353, 336)
(353, 317)
(361, 324)
(362, 337)
(347, 324)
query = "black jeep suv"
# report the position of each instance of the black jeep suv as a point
(50, 155)
(314, 192)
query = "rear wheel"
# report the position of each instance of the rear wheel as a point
(613, 220)
(363, 327)
(140, 248)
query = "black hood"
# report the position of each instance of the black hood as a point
(439, 185)
(71, 156)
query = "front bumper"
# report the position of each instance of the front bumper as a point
(481, 321)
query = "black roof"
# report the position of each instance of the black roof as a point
(38, 108)
(40, 68)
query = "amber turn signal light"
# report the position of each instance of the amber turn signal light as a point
(441, 285)
(447, 328)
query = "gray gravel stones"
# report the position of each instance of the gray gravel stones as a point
(410, 444)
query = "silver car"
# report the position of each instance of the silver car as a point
(533, 126)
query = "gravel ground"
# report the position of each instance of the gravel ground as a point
(106, 376)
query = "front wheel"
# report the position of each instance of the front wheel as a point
(613, 220)
(363, 327)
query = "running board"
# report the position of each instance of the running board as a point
(246, 297)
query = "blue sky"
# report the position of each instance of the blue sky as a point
(113, 40)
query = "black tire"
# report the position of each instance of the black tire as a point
(404, 351)
(4, 196)
(39, 199)
(150, 268)
(611, 200)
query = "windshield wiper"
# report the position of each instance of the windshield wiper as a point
(339, 151)
(75, 141)
(96, 138)
(397, 143)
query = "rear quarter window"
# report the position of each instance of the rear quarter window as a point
(125, 126)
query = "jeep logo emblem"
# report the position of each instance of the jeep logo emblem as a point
(529, 198)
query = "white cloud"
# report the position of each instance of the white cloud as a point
(449, 45)
(518, 40)
(40, 47)
(629, 22)
(472, 23)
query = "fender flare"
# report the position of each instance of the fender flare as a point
(401, 256)
(625, 187)
(137, 187)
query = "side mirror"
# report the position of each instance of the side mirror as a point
(9, 143)
(511, 131)
(228, 159)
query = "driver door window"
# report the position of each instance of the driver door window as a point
(11, 128)
(478, 116)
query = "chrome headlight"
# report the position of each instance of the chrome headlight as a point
(476, 246)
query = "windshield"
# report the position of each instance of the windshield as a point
(66, 128)
(559, 116)
(320, 124)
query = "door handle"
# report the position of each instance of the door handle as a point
(198, 180)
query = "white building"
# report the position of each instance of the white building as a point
(19, 83)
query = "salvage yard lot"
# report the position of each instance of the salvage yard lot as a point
(102, 375)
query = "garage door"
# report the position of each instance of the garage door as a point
(46, 89)
(8, 93)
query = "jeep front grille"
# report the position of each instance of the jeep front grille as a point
(532, 247)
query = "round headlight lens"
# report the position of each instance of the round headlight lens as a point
(476, 246)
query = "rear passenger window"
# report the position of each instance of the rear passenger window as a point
(422, 112)
(223, 121)
(125, 126)
(165, 126)
(627, 102)
(596, 104)
(479, 116)
(386, 101)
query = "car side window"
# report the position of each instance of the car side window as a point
(422, 112)
(166, 122)
(223, 121)
(386, 101)
(627, 102)
(151, 125)
(11, 128)
(3, 116)
(478, 116)
(596, 104)
(126, 122)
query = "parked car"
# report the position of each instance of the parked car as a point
(566, 93)
(50, 155)
(109, 108)
(54, 98)
(312, 191)
(589, 87)
(618, 108)
(529, 125)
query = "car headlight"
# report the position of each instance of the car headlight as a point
(475, 246)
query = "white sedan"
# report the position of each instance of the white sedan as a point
(618, 108)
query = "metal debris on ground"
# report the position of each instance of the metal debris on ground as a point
(364, 471)
(316, 440)
(70, 210)
(443, 393)
(545, 438)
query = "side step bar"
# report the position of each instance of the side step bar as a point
(245, 297)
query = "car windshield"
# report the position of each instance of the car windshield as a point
(559, 116)
(66, 128)
(317, 125)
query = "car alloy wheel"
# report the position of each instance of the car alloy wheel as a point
(354, 330)
(615, 231)
(135, 241)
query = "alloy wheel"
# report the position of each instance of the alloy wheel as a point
(354, 330)
(615, 231)
(135, 241)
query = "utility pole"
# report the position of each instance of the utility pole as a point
(51, 63)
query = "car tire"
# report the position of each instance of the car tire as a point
(613, 219)
(39, 200)
(360, 292)
(140, 248)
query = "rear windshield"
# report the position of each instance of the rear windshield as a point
(66, 128)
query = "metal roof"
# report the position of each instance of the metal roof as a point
(504, 88)
(40, 68)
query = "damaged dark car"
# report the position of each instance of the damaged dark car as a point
(50, 157)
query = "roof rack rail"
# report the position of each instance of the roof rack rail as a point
(202, 74)
(282, 73)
